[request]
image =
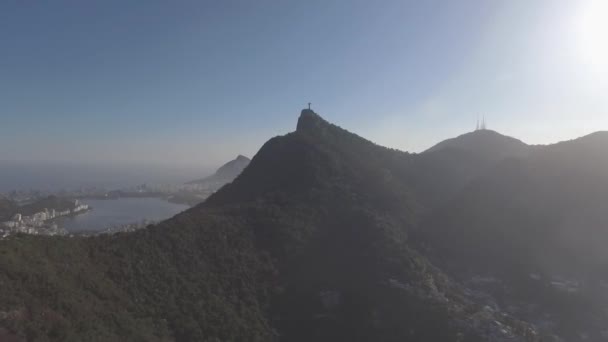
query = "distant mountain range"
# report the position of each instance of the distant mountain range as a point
(326, 236)
(225, 174)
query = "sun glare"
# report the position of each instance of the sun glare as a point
(594, 35)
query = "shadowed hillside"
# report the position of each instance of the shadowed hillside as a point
(316, 249)
(485, 143)
(446, 168)
(537, 223)
(7, 208)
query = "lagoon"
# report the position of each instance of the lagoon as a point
(117, 212)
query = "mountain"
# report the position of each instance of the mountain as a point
(537, 223)
(225, 174)
(440, 172)
(553, 196)
(485, 143)
(310, 242)
(325, 236)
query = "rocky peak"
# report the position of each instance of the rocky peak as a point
(310, 122)
(242, 158)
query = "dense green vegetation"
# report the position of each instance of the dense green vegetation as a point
(545, 215)
(323, 237)
(188, 280)
(250, 264)
(7, 208)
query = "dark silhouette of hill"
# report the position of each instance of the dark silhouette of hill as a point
(485, 143)
(446, 168)
(543, 214)
(325, 236)
(310, 242)
(542, 193)
(225, 174)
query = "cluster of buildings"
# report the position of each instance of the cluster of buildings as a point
(39, 223)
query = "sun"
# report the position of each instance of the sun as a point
(594, 35)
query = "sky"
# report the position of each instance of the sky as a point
(199, 82)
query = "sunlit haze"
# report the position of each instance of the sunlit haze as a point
(196, 83)
(314, 170)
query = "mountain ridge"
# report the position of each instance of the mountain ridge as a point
(324, 236)
(484, 141)
(224, 174)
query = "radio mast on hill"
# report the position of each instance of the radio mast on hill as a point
(481, 125)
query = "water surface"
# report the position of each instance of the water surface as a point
(116, 212)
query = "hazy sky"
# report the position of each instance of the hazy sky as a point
(198, 82)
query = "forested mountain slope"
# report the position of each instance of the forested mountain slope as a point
(323, 237)
(443, 170)
(538, 224)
